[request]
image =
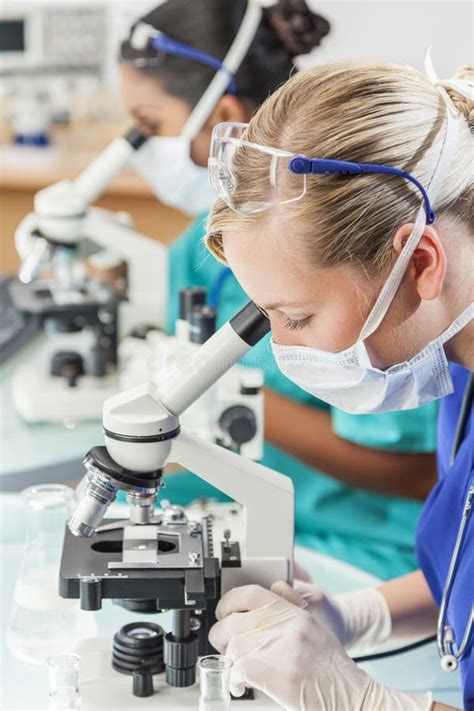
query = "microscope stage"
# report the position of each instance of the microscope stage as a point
(170, 564)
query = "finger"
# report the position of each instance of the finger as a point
(237, 626)
(222, 632)
(238, 678)
(237, 689)
(299, 573)
(309, 591)
(237, 682)
(253, 671)
(282, 589)
(243, 599)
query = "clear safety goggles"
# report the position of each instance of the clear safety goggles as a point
(157, 47)
(231, 156)
(281, 176)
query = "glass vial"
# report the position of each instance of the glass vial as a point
(214, 675)
(64, 682)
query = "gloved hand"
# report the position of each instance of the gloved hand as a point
(360, 618)
(300, 573)
(280, 649)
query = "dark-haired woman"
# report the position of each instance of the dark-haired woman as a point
(338, 514)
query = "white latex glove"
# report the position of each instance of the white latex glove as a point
(280, 649)
(360, 618)
(299, 573)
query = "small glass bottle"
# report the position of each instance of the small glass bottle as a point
(214, 675)
(64, 682)
(43, 623)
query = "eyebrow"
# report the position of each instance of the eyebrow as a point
(283, 304)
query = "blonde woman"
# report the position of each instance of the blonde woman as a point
(334, 459)
(353, 186)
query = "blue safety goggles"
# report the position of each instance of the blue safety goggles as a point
(282, 175)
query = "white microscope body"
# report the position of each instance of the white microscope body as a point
(79, 313)
(142, 433)
(161, 558)
(230, 413)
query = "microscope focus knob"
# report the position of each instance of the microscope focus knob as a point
(189, 298)
(69, 365)
(143, 682)
(239, 423)
(180, 657)
(90, 593)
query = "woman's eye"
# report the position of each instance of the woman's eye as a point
(147, 125)
(292, 325)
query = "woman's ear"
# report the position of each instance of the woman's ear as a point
(229, 108)
(428, 263)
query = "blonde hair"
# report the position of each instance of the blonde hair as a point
(363, 112)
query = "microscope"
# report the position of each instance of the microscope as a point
(231, 413)
(82, 314)
(162, 559)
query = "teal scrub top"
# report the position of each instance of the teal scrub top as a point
(369, 530)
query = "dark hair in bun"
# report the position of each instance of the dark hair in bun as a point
(296, 26)
(286, 31)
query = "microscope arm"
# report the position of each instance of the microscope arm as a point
(141, 423)
(147, 268)
(267, 500)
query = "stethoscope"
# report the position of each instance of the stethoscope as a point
(450, 654)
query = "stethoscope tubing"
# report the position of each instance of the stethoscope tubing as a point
(449, 656)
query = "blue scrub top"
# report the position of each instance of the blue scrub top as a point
(439, 524)
(369, 530)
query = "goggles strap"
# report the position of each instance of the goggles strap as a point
(394, 280)
(166, 44)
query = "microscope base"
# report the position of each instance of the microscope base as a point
(40, 397)
(102, 688)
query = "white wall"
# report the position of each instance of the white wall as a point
(121, 14)
(393, 30)
(397, 31)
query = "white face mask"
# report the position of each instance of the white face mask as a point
(347, 379)
(165, 164)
